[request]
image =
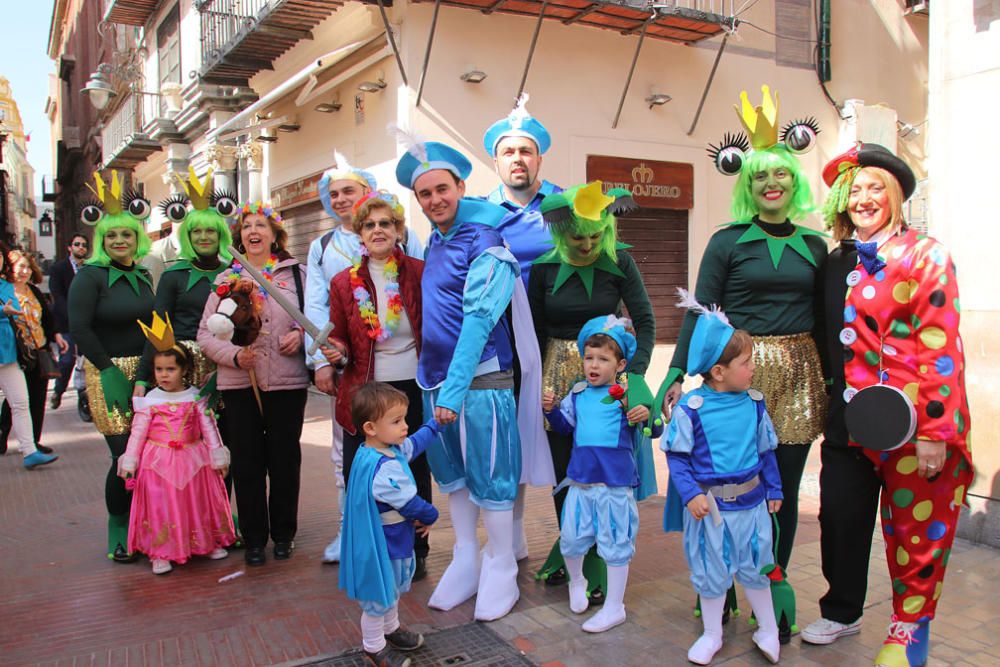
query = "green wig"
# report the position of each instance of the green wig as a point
(118, 221)
(205, 219)
(744, 206)
(583, 210)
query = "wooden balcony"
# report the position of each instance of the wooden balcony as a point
(129, 12)
(125, 139)
(242, 37)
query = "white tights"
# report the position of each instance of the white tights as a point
(375, 628)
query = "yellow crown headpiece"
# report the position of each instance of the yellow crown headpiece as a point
(198, 192)
(590, 201)
(110, 197)
(760, 122)
(160, 333)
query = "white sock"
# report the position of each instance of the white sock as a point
(705, 648)
(613, 611)
(498, 592)
(520, 541)
(372, 632)
(461, 578)
(578, 601)
(766, 636)
(390, 622)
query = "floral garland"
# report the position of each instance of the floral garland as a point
(267, 271)
(376, 331)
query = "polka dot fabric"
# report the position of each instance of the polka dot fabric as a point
(901, 329)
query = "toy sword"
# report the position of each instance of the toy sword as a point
(318, 335)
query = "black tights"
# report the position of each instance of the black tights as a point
(791, 463)
(116, 497)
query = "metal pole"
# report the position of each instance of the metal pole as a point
(708, 84)
(392, 41)
(427, 55)
(531, 49)
(628, 81)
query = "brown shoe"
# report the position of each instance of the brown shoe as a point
(387, 657)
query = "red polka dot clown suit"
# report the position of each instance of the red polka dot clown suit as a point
(899, 295)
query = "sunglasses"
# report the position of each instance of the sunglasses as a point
(369, 225)
(81, 245)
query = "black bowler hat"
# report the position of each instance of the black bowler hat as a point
(872, 155)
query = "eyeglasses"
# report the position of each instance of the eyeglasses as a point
(369, 225)
(80, 245)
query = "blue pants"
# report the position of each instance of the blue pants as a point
(481, 450)
(737, 548)
(402, 571)
(603, 515)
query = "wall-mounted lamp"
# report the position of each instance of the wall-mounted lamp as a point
(658, 99)
(473, 76)
(291, 125)
(98, 89)
(328, 107)
(372, 86)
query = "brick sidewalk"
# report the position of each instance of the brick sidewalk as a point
(64, 603)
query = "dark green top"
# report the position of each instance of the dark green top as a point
(563, 314)
(104, 304)
(181, 293)
(738, 274)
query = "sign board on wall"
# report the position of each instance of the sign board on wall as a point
(297, 192)
(653, 184)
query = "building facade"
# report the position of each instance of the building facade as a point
(17, 183)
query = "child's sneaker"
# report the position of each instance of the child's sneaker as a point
(218, 553)
(906, 646)
(161, 566)
(387, 657)
(404, 640)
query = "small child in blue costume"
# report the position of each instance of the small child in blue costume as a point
(600, 506)
(383, 512)
(720, 448)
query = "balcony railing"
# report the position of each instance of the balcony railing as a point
(124, 139)
(224, 21)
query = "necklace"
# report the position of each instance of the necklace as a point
(267, 271)
(376, 331)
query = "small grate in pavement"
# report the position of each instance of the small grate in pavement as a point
(470, 645)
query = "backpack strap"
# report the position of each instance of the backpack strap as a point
(324, 241)
(299, 292)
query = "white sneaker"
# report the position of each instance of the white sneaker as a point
(824, 631)
(332, 552)
(161, 566)
(218, 553)
(608, 617)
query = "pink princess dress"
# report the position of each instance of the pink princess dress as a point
(180, 506)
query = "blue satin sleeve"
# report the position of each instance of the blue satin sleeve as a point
(420, 510)
(680, 433)
(422, 438)
(392, 485)
(563, 419)
(679, 443)
(489, 287)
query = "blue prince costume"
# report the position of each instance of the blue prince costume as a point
(722, 444)
(377, 543)
(600, 506)
(466, 366)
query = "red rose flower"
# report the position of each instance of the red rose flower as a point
(616, 391)
(223, 290)
(130, 484)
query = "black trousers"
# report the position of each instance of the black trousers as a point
(849, 491)
(419, 466)
(266, 450)
(67, 360)
(38, 387)
(791, 463)
(116, 497)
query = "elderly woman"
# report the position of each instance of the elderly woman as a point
(39, 325)
(106, 298)
(264, 388)
(892, 316)
(588, 274)
(375, 310)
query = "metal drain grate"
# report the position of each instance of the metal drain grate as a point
(470, 645)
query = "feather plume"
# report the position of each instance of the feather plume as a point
(414, 145)
(340, 162)
(519, 112)
(688, 301)
(614, 321)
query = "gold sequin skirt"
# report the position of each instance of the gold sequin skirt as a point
(562, 368)
(791, 379)
(203, 367)
(117, 423)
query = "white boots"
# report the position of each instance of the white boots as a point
(520, 541)
(613, 611)
(766, 636)
(332, 552)
(461, 579)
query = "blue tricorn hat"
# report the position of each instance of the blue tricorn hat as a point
(518, 123)
(612, 326)
(712, 333)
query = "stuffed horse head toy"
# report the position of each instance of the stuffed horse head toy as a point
(237, 317)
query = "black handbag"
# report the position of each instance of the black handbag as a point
(48, 369)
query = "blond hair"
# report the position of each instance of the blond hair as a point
(843, 228)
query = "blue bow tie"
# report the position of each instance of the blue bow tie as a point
(868, 255)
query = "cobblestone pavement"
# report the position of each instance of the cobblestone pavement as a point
(64, 603)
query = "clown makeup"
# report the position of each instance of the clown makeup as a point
(868, 204)
(344, 194)
(257, 237)
(583, 249)
(771, 189)
(438, 195)
(205, 241)
(517, 163)
(120, 243)
(379, 234)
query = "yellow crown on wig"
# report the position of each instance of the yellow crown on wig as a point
(160, 333)
(199, 192)
(590, 201)
(760, 122)
(110, 197)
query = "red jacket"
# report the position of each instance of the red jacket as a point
(345, 317)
